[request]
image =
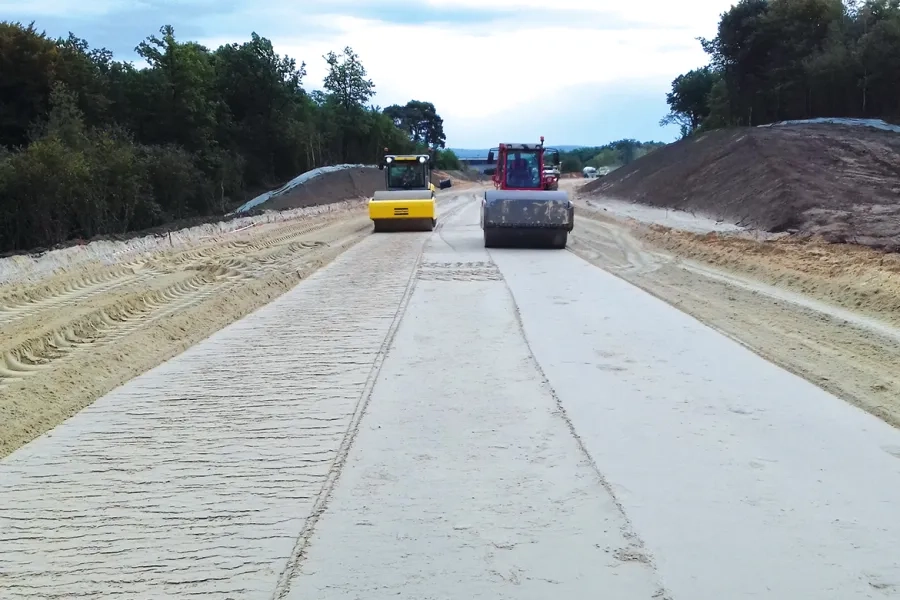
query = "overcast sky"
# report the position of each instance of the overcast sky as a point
(576, 71)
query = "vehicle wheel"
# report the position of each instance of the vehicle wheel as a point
(429, 224)
(379, 227)
(559, 241)
(490, 239)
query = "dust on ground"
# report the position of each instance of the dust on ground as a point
(837, 182)
(459, 179)
(829, 313)
(69, 338)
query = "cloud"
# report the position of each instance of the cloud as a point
(585, 114)
(470, 75)
(494, 63)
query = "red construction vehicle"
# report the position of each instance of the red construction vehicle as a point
(526, 208)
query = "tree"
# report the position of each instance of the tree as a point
(28, 60)
(448, 161)
(615, 153)
(261, 90)
(797, 59)
(90, 145)
(570, 164)
(421, 121)
(347, 80)
(689, 99)
(350, 90)
(182, 106)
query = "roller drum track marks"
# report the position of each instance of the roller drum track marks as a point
(198, 477)
(71, 290)
(140, 299)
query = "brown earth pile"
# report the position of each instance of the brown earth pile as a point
(838, 182)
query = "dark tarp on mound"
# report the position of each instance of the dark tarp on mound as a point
(346, 184)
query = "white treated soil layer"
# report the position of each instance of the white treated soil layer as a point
(425, 419)
(465, 480)
(743, 480)
(196, 477)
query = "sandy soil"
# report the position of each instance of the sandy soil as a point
(460, 179)
(837, 182)
(72, 337)
(68, 338)
(829, 313)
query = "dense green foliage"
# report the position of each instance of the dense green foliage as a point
(448, 161)
(90, 145)
(613, 154)
(775, 60)
(421, 122)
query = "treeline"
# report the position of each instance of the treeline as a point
(775, 60)
(90, 145)
(613, 154)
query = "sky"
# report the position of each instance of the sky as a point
(580, 72)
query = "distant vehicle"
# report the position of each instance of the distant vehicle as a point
(593, 173)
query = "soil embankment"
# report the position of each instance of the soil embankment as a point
(840, 183)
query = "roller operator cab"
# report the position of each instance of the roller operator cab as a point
(526, 208)
(408, 201)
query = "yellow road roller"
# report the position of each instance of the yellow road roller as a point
(407, 203)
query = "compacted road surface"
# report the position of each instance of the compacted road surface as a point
(426, 419)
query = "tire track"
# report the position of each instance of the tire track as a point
(102, 325)
(283, 586)
(198, 477)
(73, 290)
(134, 309)
(67, 293)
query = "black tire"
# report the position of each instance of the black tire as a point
(559, 240)
(378, 227)
(491, 238)
(429, 224)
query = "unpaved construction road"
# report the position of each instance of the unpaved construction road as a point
(423, 418)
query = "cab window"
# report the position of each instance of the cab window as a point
(406, 175)
(522, 170)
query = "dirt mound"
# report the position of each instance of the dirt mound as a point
(346, 184)
(838, 182)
